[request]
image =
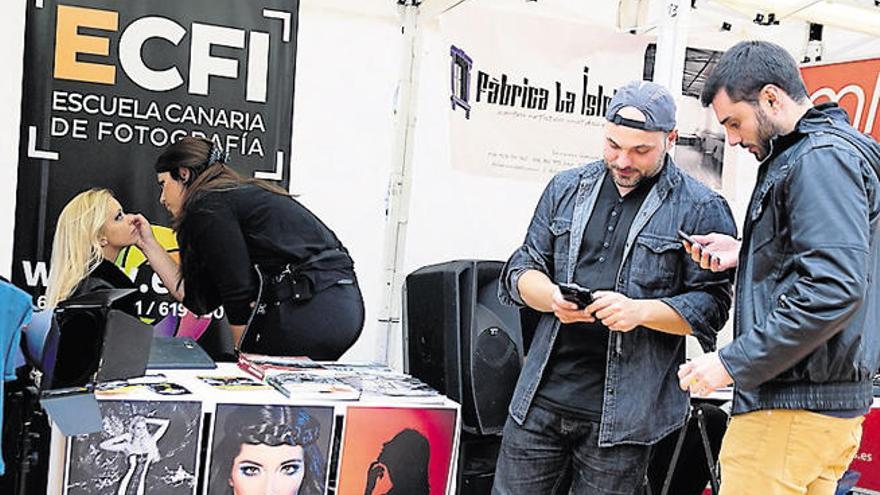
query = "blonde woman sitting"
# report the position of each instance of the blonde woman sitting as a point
(91, 231)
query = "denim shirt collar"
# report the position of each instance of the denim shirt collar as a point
(588, 191)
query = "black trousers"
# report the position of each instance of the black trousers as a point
(322, 328)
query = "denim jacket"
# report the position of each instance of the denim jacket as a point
(642, 401)
(808, 308)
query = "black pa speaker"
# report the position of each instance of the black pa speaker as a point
(462, 341)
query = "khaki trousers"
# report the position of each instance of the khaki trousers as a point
(782, 452)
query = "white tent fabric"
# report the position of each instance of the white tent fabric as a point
(370, 132)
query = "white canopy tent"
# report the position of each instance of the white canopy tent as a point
(851, 31)
(371, 132)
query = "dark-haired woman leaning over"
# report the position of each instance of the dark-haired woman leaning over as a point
(247, 245)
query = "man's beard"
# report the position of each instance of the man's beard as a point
(636, 176)
(767, 132)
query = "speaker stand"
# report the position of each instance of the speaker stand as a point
(476, 463)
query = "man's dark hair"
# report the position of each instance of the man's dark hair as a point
(747, 67)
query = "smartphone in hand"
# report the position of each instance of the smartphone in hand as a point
(685, 237)
(581, 296)
(693, 242)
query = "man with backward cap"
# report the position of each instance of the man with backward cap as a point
(599, 385)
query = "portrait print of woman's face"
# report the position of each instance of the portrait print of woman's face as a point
(261, 469)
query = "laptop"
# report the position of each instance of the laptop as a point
(178, 353)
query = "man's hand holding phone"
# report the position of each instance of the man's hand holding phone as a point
(581, 296)
(570, 302)
(618, 312)
(716, 252)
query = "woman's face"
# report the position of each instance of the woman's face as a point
(139, 429)
(119, 229)
(171, 196)
(266, 470)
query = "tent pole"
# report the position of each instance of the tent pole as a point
(672, 44)
(671, 47)
(390, 336)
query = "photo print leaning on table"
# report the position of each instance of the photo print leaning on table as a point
(259, 449)
(144, 448)
(396, 450)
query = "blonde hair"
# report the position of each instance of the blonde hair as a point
(76, 248)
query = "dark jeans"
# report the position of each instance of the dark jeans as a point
(534, 457)
(321, 328)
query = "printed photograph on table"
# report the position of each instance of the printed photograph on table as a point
(313, 386)
(260, 449)
(233, 383)
(396, 451)
(157, 384)
(145, 447)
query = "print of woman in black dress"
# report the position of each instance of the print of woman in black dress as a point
(141, 449)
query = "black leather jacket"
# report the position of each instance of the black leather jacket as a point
(105, 276)
(808, 308)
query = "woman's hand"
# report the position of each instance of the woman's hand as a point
(146, 239)
(159, 259)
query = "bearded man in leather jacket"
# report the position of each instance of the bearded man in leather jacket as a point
(806, 342)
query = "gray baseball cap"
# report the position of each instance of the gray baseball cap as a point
(651, 99)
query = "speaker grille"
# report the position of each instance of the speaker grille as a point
(462, 340)
(496, 367)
